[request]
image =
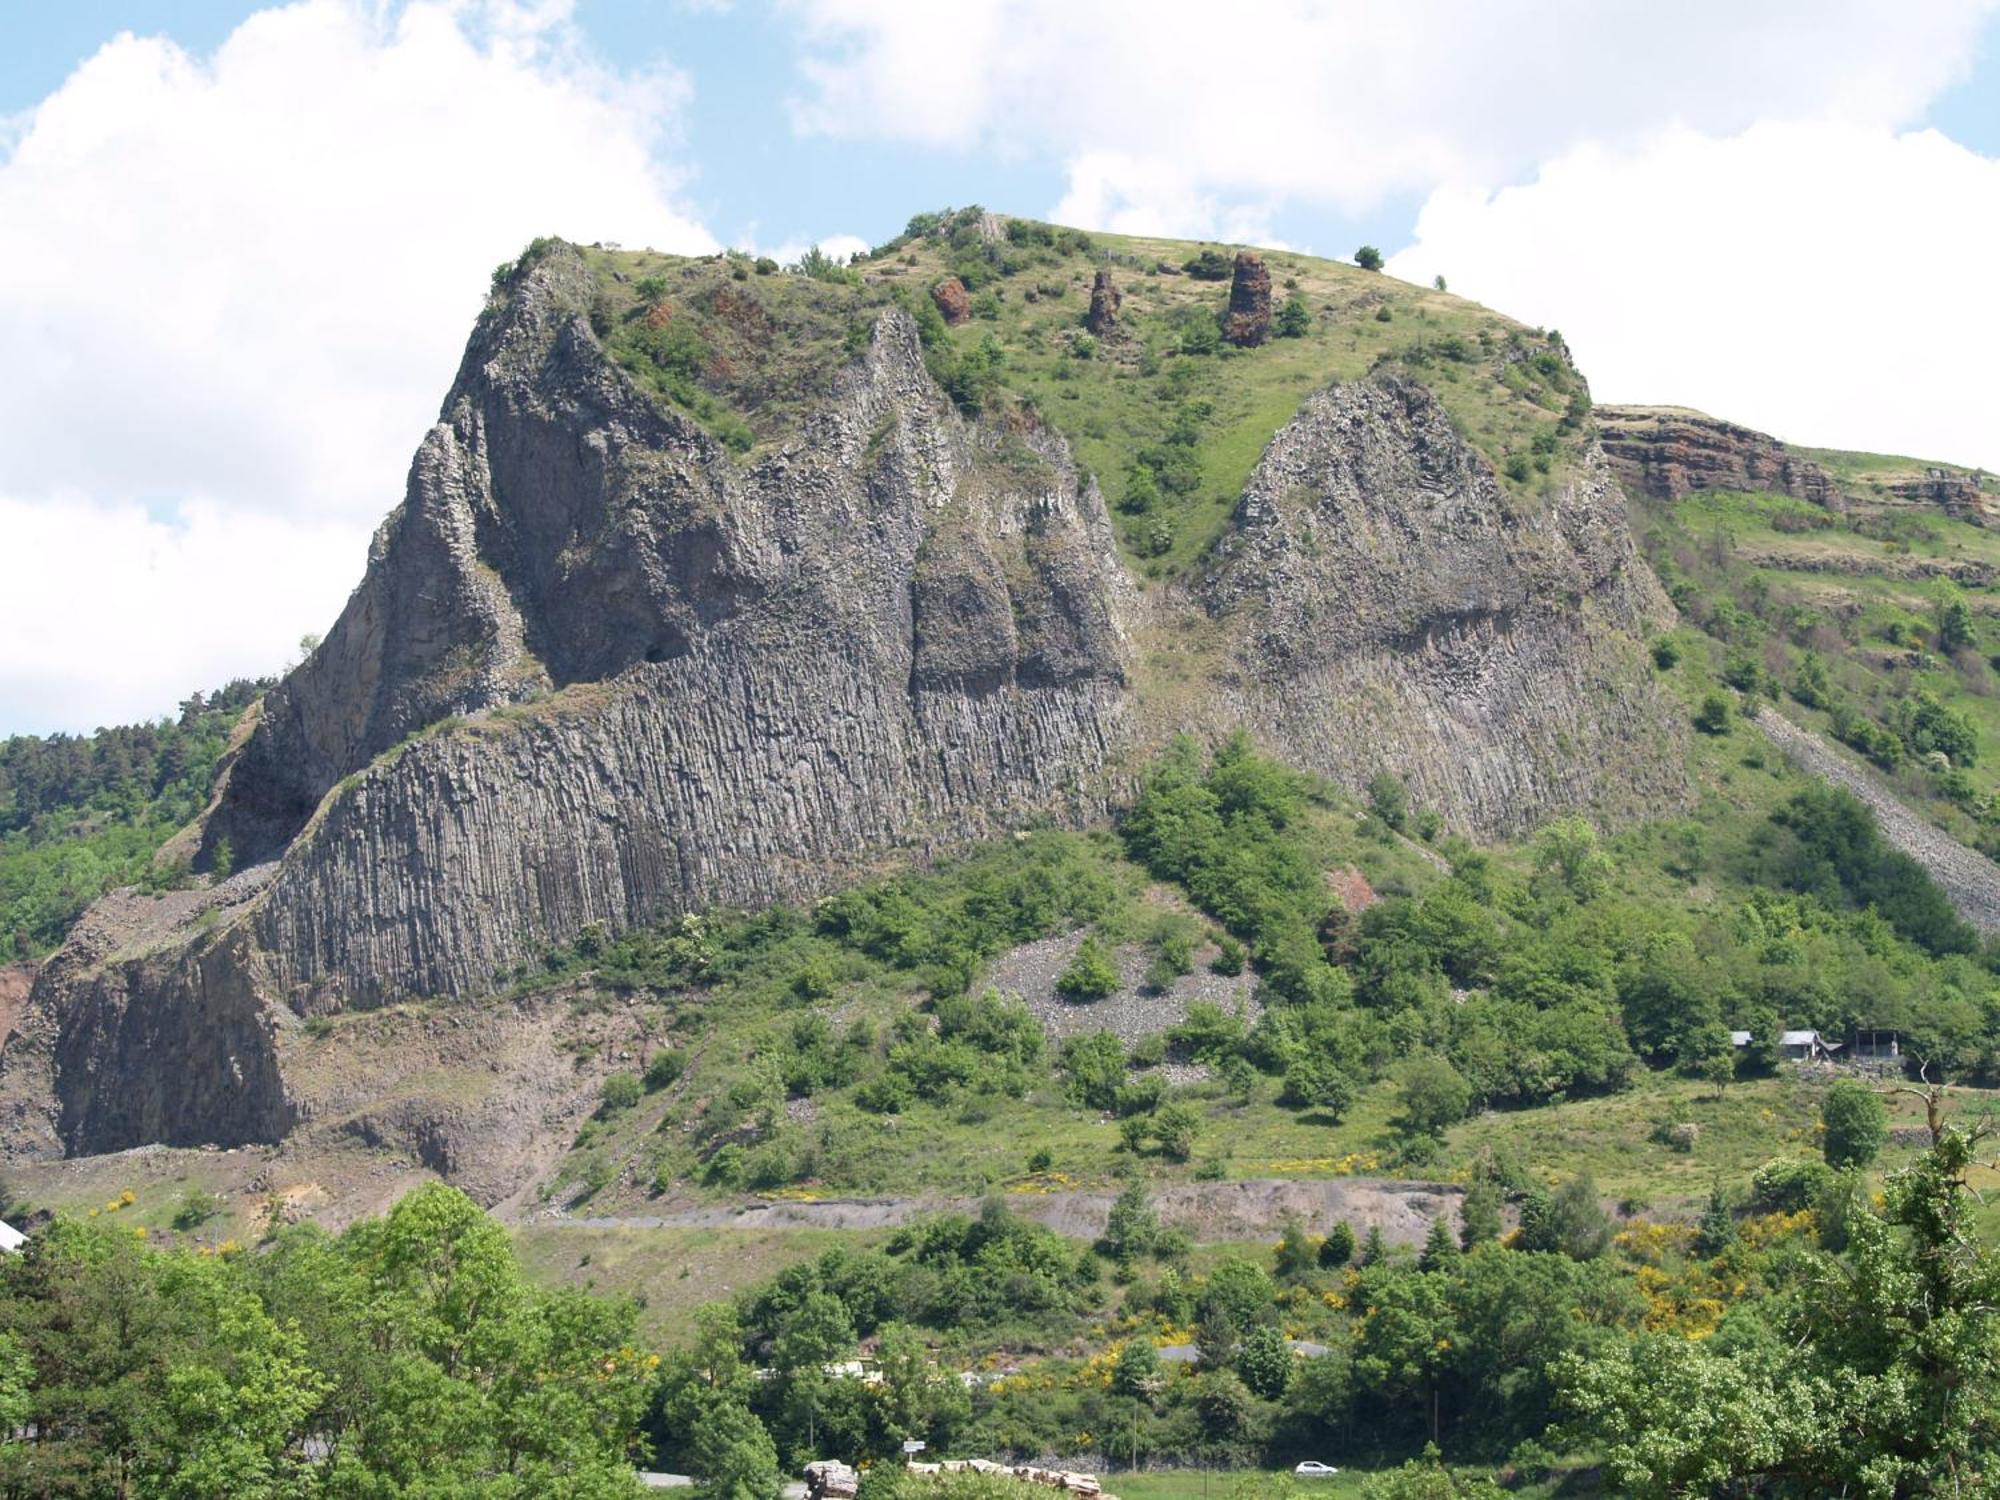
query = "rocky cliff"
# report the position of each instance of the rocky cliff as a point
(1667, 452)
(602, 669)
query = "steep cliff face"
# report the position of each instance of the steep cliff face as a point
(601, 669)
(1394, 609)
(1666, 452)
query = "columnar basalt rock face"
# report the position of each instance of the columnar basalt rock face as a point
(600, 670)
(1394, 609)
(1247, 323)
(1102, 320)
(1667, 453)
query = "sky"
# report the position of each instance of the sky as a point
(241, 245)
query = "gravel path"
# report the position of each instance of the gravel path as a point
(1968, 878)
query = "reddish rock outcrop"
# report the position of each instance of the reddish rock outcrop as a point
(1957, 494)
(1667, 453)
(1104, 304)
(952, 300)
(1248, 321)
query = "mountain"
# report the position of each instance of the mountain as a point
(717, 587)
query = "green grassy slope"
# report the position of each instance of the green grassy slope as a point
(742, 347)
(1875, 625)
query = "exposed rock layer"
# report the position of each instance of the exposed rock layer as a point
(600, 670)
(1247, 322)
(1667, 453)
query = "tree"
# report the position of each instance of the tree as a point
(1567, 852)
(1090, 975)
(732, 1455)
(1438, 282)
(1581, 1228)
(1717, 1230)
(1295, 1257)
(1854, 1124)
(1137, 1372)
(1479, 1215)
(1294, 320)
(1433, 1095)
(1441, 1249)
(1954, 622)
(1368, 258)
(1337, 1249)
(1177, 1127)
(1133, 1228)
(1316, 1081)
(1265, 1361)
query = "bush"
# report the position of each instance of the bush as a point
(665, 1069)
(1090, 975)
(1713, 715)
(195, 1209)
(1368, 258)
(1294, 320)
(1229, 956)
(1787, 1185)
(1666, 653)
(620, 1092)
(1389, 801)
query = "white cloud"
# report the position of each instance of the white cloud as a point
(242, 283)
(1194, 117)
(1831, 284)
(118, 614)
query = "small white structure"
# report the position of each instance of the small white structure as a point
(11, 1239)
(1739, 1038)
(1805, 1046)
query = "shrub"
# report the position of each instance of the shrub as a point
(1229, 956)
(1317, 1082)
(195, 1209)
(1787, 1185)
(1090, 975)
(620, 1092)
(1294, 320)
(665, 1069)
(1388, 800)
(1210, 265)
(1368, 258)
(1713, 715)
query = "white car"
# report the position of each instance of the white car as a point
(1312, 1469)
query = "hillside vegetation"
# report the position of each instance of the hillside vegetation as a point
(1873, 623)
(80, 814)
(1168, 415)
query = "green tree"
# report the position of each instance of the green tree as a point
(1368, 258)
(1265, 1361)
(1294, 320)
(1480, 1217)
(1177, 1128)
(1137, 1371)
(731, 1455)
(1337, 1249)
(1567, 852)
(1432, 1096)
(1954, 622)
(1091, 975)
(1853, 1122)
(1441, 1249)
(1717, 1230)
(1713, 715)
(1133, 1228)
(1317, 1082)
